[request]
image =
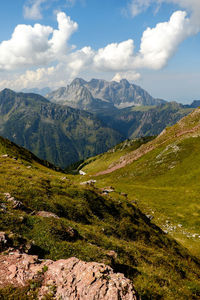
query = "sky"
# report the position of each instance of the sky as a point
(152, 43)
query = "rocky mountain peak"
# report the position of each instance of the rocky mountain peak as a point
(7, 91)
(78, 81)
(125, 82)
(118, 94)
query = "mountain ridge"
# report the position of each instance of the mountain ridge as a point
(59, 134)
(116, 94)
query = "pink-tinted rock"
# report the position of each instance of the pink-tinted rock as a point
(47, 214)
(69, 279)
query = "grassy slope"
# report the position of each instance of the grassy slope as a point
(159, 267)
(102, 161)
(164, 182)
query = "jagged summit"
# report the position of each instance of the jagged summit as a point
(117, 94)
(78, 81)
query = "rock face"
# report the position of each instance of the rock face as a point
(102, 94)
(69, 279)
(77, 95)
(122, 94)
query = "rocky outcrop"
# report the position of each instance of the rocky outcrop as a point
(69, 279)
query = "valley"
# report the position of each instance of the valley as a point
(135, 208)
(49, 214)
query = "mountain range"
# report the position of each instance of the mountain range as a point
(64, 135)
(123, 106)
(98, 95)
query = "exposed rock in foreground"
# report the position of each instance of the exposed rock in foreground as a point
(70, 279)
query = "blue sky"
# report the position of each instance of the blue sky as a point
(102, 39)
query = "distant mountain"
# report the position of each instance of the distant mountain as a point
(134, 122)
(76, 95)
(59, 134)
(101, 95)
(122, 94)
(42, 91)
(194, 104)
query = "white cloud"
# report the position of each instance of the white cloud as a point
(130, 76)
(32, 9)
(192, 6)
(115, 56)
(159, 44)
(32, 46)
(39, 78)
(66, 27)
(79, 60)
(135, 7)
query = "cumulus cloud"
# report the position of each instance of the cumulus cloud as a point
(79, 60)
(32, 46)
(192, 6)
(66, 27)
(159, 44)
(115, 56)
